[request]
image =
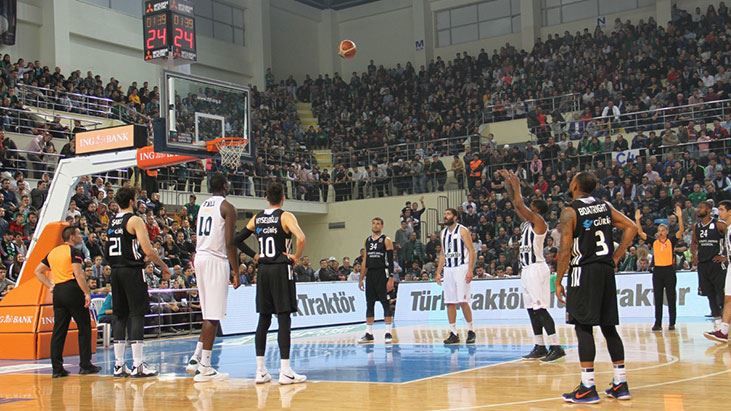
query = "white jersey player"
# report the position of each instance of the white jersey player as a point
(535, 273)
(721, 334)
(215, 261)
(457, 260)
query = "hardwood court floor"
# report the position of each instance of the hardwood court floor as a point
(677, 370)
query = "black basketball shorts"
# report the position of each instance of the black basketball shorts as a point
(129, 292)
(275, 289)
(591, 295)
(375, 285)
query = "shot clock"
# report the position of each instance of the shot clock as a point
(169, 31)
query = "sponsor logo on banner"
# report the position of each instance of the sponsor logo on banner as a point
(503, 299)
(626, 156)
(318, 305)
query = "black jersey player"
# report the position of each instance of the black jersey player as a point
(587, 254)
(127, 247)
(275, 285)
(707, 254)
(377, 274)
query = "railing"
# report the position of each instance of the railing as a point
(519, 109)
(65, 102)
(161, 321)
(635, 121)
(391, 153)
(28, 122)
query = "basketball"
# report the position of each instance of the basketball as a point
(347, 49)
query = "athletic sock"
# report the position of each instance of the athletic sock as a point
(260, 364)
(389, 328)
(538, 339)
(553, 339)
(453, 328)
(137, 356)
(724, 328)
(469, 327)
(369, 329)
(119, 349)
(198, 350)
(587, 377)
(284, 368)
(206, 358)
(620, 375)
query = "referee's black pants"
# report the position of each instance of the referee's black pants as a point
(664, 280)
(68, 302)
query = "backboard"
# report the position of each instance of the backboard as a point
(196, 110)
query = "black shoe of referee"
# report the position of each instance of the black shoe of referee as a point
(470, 337)
(452, 339)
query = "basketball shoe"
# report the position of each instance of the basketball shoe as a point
(717, 336)
(582, 395)
(143, 371)
(122, 371)
(538, 352)
(367, 339)
(619, 391)
(452, 339)
(291, 377)
(555, 353)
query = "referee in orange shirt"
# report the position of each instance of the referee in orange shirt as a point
(71, 299)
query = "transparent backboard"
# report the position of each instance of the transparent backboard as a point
(196, 110)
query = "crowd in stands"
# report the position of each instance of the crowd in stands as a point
(635, 68)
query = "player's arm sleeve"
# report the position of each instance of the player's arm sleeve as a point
(389, 256)
(240, 241)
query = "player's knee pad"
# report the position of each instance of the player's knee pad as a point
(386, 308)
(614, 342)
(136, 327)
(370, 308)
(585, 337)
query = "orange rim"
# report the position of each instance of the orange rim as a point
(212, 145)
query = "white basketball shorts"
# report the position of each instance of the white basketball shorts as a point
(212, 274)
(454, 283)
(727, 288)
(536, 287)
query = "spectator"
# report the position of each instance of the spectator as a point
(303, 272)
(325, 273)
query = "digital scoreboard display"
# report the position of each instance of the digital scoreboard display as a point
(169, 30)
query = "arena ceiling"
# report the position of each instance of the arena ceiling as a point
(335, 4)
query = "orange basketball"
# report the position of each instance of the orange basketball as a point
(347, 49)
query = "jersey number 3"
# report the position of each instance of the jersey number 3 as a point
(601, 243)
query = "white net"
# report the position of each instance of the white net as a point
(231, 151)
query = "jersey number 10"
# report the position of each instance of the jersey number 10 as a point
(204, 226)
(267, 247)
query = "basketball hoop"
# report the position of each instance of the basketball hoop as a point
(231, 150)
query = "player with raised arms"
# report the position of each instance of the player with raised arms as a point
(535, 274)
(216, 259)
(591, 299)
(275, 285)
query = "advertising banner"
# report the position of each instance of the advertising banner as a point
(503, 299)
(318, 304)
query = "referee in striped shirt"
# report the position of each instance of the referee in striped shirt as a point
(71, 299)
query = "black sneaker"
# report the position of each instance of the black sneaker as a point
(538, 352)
(60, 373)
(91, 369)
(582, 395)
(554, 354)
(656, 327)
(389, 338)
(671, 327)
(367, 339)
(470, 337)
(619, 391)
(452, 339)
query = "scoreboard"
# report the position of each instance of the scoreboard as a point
(169, 31)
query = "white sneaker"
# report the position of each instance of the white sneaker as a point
(192, 366)
(208, 374)
(262, 377)
(143, 371)
(121, 371)
(291, 377)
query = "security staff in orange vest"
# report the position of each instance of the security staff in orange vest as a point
(475, 172)
(71, 299)
(664, 278)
